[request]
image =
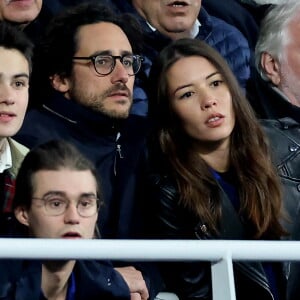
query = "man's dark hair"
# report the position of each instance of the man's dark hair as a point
(58, 46)
(13, 38)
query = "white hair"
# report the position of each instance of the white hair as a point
(274, 32)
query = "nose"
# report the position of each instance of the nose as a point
(71, 215)
(119, 74)
(7, 94)
(207, 101)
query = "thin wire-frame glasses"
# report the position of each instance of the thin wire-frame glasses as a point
(56, 205)
(105, 64)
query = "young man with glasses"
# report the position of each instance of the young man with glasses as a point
(83, 79)
(48, 206)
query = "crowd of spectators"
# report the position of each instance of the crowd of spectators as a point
(185, 115)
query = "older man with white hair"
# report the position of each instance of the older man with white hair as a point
(275, 93)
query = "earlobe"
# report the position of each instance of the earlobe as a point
(271, 67)
(60, 83)
(22, 215)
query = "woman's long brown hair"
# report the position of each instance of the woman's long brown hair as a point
(258, 183)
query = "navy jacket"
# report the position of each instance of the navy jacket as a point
(223, 37)
(232, 12)
(21, 280)
(117, 148)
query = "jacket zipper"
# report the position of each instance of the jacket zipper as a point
(118, 152)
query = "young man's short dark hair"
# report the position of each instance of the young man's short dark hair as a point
(13, 38)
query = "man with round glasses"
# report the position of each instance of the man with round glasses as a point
(57, 203)
(83, 81)
(48, 206)
(105, 64)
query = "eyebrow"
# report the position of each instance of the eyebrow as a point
(109, 52)
(21, 75)
(188, 85)
(88, 194)
(18, 75)
(62, 193)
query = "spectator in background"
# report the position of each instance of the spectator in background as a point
(20, 12)
(232, 12)
(48, 206)
(30, 16)
(164, 21)
(88, 68)
(275, 91)
(205, 131)
(15, 69)
(258, 8)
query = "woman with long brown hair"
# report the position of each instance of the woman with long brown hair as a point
(214, 175)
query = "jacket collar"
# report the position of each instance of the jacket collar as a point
(288, 108)
(78, 114)
(276, 104)
(18, 153)
(206, 24)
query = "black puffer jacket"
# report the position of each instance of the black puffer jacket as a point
(192, 280)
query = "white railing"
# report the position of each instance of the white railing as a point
(221, 253)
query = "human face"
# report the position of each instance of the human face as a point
(14, 83)
(171, 19)
(69, 225)
(201, 100)
(110, 94)
(20, 11)
(290, 66)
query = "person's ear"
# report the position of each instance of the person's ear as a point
(21, 215)
(271, 67)
(60, 83)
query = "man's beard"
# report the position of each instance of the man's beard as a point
(96, 102)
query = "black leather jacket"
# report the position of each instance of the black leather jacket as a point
(192, 280)
(284, 137)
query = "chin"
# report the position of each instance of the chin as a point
(118, 114)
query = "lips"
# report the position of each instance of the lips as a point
(19, 2)
(6, 117)
(71, 235)
(177, 8)
(119, 93)
(119, 90)
(10, 1)
(178, 3)
(215, 120)
(7, 114)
